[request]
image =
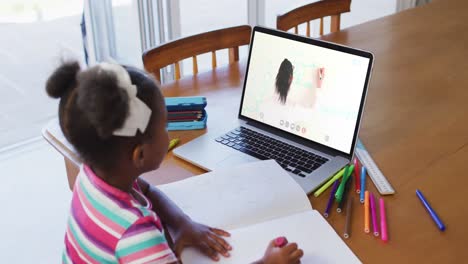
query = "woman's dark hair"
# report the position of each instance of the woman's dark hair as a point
(285, 72)
(92, 106)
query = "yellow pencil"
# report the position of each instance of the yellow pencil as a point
(366, 212)
(173, 143)
(329, 183)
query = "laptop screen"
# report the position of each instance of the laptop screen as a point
(310, 91)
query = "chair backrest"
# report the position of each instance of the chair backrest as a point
(317, 10)
(175, 51)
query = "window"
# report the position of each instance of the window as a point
(206, 15)
(35, 35)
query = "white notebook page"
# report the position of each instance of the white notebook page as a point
(313, 234)
(237, 197)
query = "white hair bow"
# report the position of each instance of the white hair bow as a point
(139, 113)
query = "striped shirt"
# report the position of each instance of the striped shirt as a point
(107, 225)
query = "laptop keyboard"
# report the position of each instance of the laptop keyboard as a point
(291, 158)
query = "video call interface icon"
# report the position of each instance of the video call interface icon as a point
(292, 126)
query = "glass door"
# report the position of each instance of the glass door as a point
(114, 30)
(122, 30)
(207, 15)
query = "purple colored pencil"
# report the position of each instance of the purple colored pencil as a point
(374, 215)
(332, 196)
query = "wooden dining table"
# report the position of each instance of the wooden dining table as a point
(415, 126)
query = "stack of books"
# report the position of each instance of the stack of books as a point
(186, 113)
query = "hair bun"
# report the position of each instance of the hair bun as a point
(62, 79)
(103, 102)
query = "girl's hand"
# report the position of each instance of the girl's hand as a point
(289, 254)
(208, 240)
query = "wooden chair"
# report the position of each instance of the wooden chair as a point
(177, 50)
(307, 13)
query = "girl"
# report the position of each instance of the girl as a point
(115, 118)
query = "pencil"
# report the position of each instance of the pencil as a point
(383, 221)
(375, 227)
(339, 191)
(363, 183)
(345, 195)
(357, 180)
(329, 183)
(172, 144)
(349, 208)
(347, 174)
(366, 212)
(431, 211)
(330, 200)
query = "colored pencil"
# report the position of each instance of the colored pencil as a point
(330, 200)
(329, 183)
(357, 180)
(363, 183)
(173, 143)
(375, 227)
(383, 221)
(347, 189)
(349, 208)
(431, 211)
(346, 175)
(366, 212)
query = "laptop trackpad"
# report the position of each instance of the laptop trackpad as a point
(233, 160)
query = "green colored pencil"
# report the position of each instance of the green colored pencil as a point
(347, 174)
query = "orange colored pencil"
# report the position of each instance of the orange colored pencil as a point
(366, 212)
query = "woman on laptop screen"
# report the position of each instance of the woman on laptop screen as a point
(283, 80)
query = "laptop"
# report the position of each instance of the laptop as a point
(301, 105)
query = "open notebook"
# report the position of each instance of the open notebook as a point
(256, 203)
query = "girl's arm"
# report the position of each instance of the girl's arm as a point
(167, 210)
(184, 231)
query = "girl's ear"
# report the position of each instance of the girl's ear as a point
(138, 157)
(290, 79)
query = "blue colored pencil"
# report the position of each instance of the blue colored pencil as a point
(431, 211)
(363, 183)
